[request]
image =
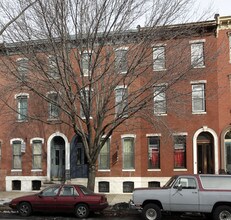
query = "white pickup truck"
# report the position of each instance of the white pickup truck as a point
(201, 194)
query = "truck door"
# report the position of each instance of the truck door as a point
(184, 195)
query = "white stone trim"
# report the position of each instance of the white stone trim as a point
(195, 136)
(67, 152)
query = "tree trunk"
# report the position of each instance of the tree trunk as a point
(91, 178)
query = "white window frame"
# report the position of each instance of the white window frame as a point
(51, 106)
(197, 53)
(106, 145)
(160, 97)
(133, 138)
(196, 97)
(86, 57)
(32, 142)
(159, 57)
(53, 67)
(22, 114)
(22, 143)
(230, 47)
(123, 58)
(121, 101)
(22, 68)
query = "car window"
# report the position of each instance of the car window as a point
(187, 183)
(85, 190)
(68, 191)
(51, 191)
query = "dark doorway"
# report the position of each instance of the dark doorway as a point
(57, 158)
(205, 153)
(79, 165)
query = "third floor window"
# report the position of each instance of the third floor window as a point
(197, 54)
(159, 58)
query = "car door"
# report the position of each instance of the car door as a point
(184, 195)
(46, 200)
(67, 199)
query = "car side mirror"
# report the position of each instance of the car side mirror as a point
(179, 187)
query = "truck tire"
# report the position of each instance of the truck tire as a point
(222, 213)
(151, 212)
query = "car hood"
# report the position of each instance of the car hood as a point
(25, 197)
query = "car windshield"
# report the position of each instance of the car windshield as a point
(85, 190)
(170, 182)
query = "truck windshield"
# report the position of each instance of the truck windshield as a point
(170, 182)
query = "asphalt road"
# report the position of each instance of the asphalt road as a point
(4, 216)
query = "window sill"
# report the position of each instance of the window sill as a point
(159, 70)
(36, 170)
(104, 170)
(16, 170)
(128, 170)
(199, 113)
(178, 170)
(53, 119)
(155, 170)
(160, 114)
(198, 67)
(20, 121)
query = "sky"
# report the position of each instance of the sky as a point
(222, 7)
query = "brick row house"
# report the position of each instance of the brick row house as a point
(185, 129)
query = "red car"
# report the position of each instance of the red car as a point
(63, 198)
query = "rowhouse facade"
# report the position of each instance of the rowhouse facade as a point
(184, 129)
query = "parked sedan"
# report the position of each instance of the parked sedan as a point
(63, 198)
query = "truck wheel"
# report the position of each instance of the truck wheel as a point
(222, 213)
(151, 212)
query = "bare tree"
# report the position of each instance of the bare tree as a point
(99, 62)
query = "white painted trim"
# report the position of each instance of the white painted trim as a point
(17, 139)
(121, 48)
(21, 94)
(155, 135)
(67, 153)
(180, 134)
(36, 139)
(128, 136)
(195, 136)
(198, 82)
(197, 41)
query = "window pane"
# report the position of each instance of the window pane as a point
(22, 107)
(159, 58)
(104, 157)
(121, 60)
(121, 96)
(53, 67)
(17, 155)
(197, 54)
(53, 105)
(128, 153)
(198, 98)
(153, 153)
(180, 151)
(37, 155)
(22, 64)
(160, 105)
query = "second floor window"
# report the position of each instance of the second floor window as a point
(17, 160)
(22, 68)
(104, 156)
(153, 152)
(197, 55)
(37, 154)
(159, 58)
(22, 107)
(86, 61)
(198, 98)
(53, 67)
(160, 105)
(121, 96)
(180, 152)
(53, 108)
(121, 60)
(128, 153)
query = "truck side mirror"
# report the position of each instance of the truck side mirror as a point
(179, 187)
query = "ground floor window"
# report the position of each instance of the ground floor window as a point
(179, 152)
(153, 152)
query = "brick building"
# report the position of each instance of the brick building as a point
(193, 133)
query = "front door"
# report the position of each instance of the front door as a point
(79, 165)
(58, 159)
(205, 158)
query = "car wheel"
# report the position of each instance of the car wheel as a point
(151, 212)
(81, 211)
(222, 213)
(24, 209)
